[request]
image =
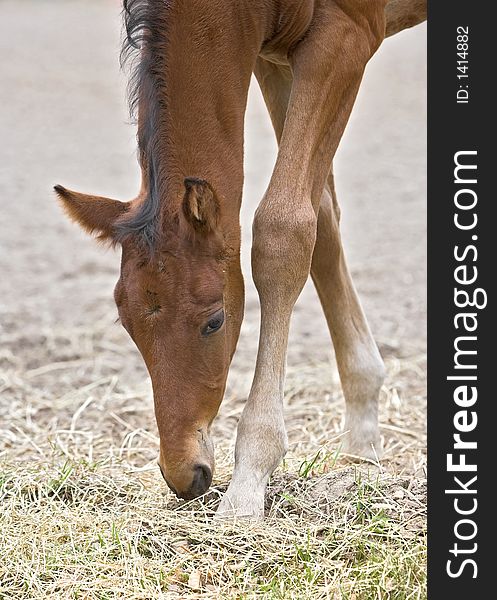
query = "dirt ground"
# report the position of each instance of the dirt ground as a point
(71, 383)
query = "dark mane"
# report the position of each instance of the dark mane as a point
(145, 25)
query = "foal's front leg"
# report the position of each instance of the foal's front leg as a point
(359, 362)
(327, 68)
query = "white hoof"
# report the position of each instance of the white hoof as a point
(241, 503)
(370, 452)
(364, 444)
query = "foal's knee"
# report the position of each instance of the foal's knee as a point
(282, 246)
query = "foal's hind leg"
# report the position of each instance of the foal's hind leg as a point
(327, 69)
(359, 362)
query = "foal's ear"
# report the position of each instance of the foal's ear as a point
(95, 214)
(200, 205)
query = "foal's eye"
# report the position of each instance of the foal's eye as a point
(214, 323)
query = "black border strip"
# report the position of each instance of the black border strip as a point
(461, 127)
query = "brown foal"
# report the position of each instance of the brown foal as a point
(180, 294)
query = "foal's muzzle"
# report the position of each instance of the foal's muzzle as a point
(202, 478)
(201, 481)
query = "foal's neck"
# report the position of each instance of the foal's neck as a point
(193, 103)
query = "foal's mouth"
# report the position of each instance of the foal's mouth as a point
(202, 480)
(169, 485)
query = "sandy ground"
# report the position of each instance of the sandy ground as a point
(64, 120)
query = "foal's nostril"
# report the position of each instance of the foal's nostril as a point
(202, 479)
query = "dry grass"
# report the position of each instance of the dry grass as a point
(84, 512)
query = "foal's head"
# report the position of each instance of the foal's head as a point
(182, 305)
